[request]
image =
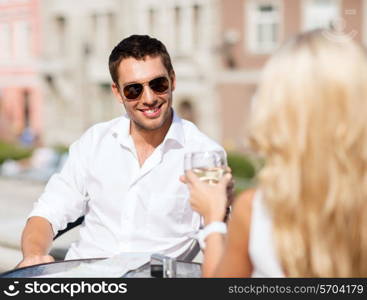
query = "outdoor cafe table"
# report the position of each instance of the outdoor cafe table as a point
(54, 269)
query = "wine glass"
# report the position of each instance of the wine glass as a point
(209, 166)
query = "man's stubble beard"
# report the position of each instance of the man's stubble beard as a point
(168, 118)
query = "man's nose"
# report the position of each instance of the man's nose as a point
(148, 97)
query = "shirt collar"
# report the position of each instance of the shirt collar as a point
(175, 132)
(121, 131)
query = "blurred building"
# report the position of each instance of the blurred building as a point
(80, 36)
(251, 30)
(20, 90)
(218, 48)
(189, 29)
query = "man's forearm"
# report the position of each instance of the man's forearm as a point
(37, 237)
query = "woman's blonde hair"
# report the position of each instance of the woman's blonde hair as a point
(310, 123)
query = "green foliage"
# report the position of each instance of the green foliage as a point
(244, 170)
(61, 149)
(13, 151)
(241, 165)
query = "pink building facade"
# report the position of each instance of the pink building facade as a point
(20, 50)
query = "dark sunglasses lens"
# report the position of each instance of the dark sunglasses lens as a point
(132, 91)
(159, 85)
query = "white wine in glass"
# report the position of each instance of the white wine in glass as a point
(210, 175)
(209, 166)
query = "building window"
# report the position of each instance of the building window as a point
(152, 21)
(26, 109)
(320, 13)
(103, 28)
(197, 15)
(186, 111)
(177, 29)
(5, 41)
(93, 19)
(263, 28)
(111, 29)
(23, 39)
(106, 101)
(60, 24)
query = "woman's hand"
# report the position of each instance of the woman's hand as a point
(209, 200)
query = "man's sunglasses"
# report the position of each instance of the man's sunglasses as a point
(158, 85)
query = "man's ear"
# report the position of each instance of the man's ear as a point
(116, 91)
(173, 81)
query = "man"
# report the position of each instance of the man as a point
(123, 175)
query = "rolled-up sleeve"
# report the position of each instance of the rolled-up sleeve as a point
(65, 196)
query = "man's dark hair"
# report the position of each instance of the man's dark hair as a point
(138, 47)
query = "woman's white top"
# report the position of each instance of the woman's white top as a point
(261, 244)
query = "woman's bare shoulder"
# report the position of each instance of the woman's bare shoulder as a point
(243, 201)
(241, 210)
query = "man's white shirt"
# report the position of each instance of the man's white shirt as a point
(127, 208)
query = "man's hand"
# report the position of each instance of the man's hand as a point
(36, 242)
(35, 260)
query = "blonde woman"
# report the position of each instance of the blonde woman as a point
(308, 217)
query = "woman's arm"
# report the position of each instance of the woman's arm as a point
(224, 256)
(235, 260)
(210, 201)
